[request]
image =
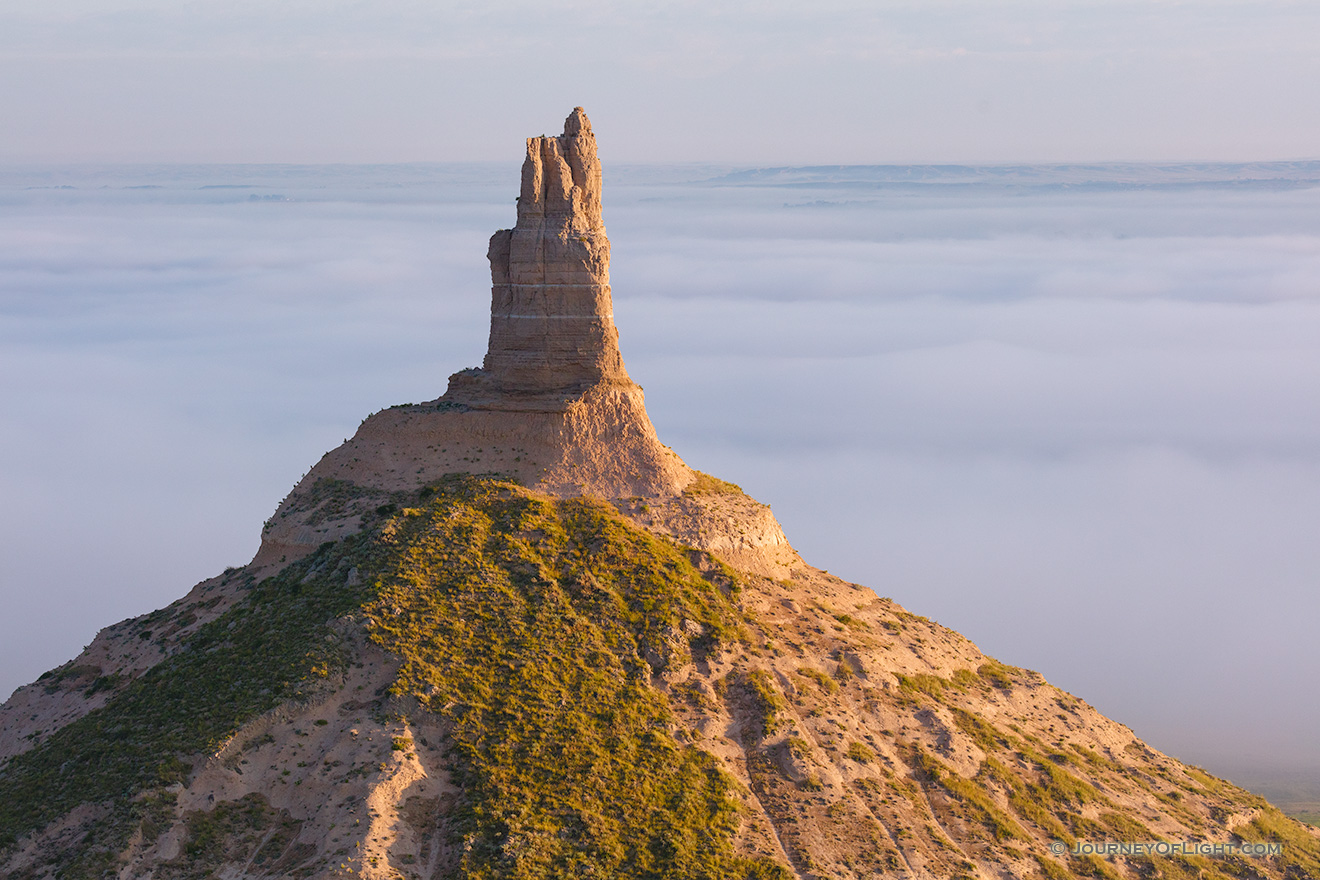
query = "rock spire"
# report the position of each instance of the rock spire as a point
(552, 405)
(552, 333)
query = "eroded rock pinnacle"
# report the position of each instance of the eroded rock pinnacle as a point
(552, 333)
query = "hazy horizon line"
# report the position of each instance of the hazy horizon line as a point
(690, 163)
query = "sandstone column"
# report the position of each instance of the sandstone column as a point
(552, 321)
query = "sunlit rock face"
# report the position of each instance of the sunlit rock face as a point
(552, 333)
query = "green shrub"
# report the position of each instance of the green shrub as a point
(767, 699)
(997, 674)
(705, 484)
(860, 752)
(823, 681)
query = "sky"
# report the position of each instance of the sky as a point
(763, 82)
(1075, 422)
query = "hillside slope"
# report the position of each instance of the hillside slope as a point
(489, 682)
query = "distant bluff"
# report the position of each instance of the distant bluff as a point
(508, 635)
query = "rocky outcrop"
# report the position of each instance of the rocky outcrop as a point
(552, 404)
(552, 334)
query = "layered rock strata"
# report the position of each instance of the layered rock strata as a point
(552, 333)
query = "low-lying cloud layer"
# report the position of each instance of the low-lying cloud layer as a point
(1077, 424)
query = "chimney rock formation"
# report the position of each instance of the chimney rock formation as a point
(552, 334)
(552, 405)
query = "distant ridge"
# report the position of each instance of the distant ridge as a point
(1100, 176)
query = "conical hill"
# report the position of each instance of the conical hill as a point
(508, 634)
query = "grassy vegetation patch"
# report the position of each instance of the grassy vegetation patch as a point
(1024, 800)
(1301, 851)
(997, 674)
(269, 649)
(936, 687)
(527, 624)
(1052, 870)
(982, 732)
(531, 626)
(931, 685)
(823, 681)
(1210, 785)
(860, 752)
(248, 830)
(765, 697)
(852, 622)
(967, 792)
(1064, 790)
(1096, 760)
(705, 484)
(1124, 827)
